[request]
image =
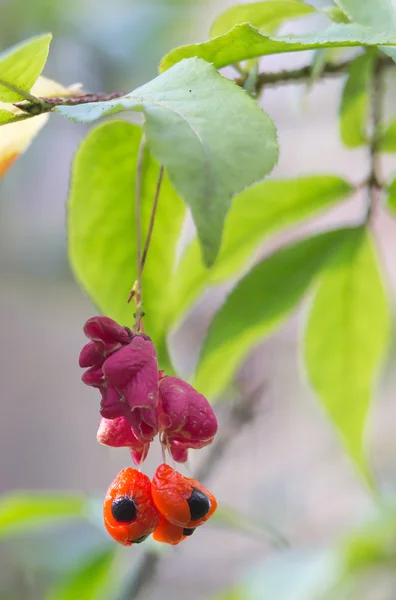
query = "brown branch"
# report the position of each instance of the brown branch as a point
(296, 75)
(50, 103)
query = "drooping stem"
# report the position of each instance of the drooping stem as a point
(374, 185)
(152, 216)
(137, 288)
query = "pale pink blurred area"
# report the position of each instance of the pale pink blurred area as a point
(287, 468)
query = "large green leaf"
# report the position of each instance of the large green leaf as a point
(20, 511)
(266, 16)
(101, 226)
(94, 579)
(255, 213)
(346, 337)
(260, 302)
(355, 101)
(21, 65)
(244, 41)
(186, 111)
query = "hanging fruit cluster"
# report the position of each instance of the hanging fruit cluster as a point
(138, 403)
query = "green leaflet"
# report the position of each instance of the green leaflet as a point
(185, 110)
(387, 140)
(260, 302)
(256, 213)
(102, 225)
(94, 579)
(355, 101)
(335, 14)
(244, 41)
(266, 16)
(346, 338)
(391, 200)
(8, 117)
(21, 65)
(20, 511)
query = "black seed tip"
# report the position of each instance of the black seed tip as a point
(123, 509)
(139, 540)
(199, 504)
(187, 531)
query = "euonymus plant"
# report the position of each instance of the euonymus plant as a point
(206, 145)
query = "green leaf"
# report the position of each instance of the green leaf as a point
(256, 213)
(21, 65)
(244, 41)
(9, 117)
(259, 303)
(336, 14)
(380, 15)
(319, 61)
(355, 101)
(186, 109)
(391, 200)
(387, 140)
(101, 226)
(93, 580)
(347, 336)
(20, 511)
(266, 16)
(373, 543)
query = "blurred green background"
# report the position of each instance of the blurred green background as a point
(285, 469)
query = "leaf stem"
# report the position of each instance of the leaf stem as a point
(138, 216)
(152, 217)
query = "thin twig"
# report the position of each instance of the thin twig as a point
(82, 98)
(374, 185)
(152, 217)
(295, 75)
(138, 217)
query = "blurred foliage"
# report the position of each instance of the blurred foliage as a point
(125, 39)
(19, 511)
(361, 565)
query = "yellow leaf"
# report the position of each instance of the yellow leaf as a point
(17, 134)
